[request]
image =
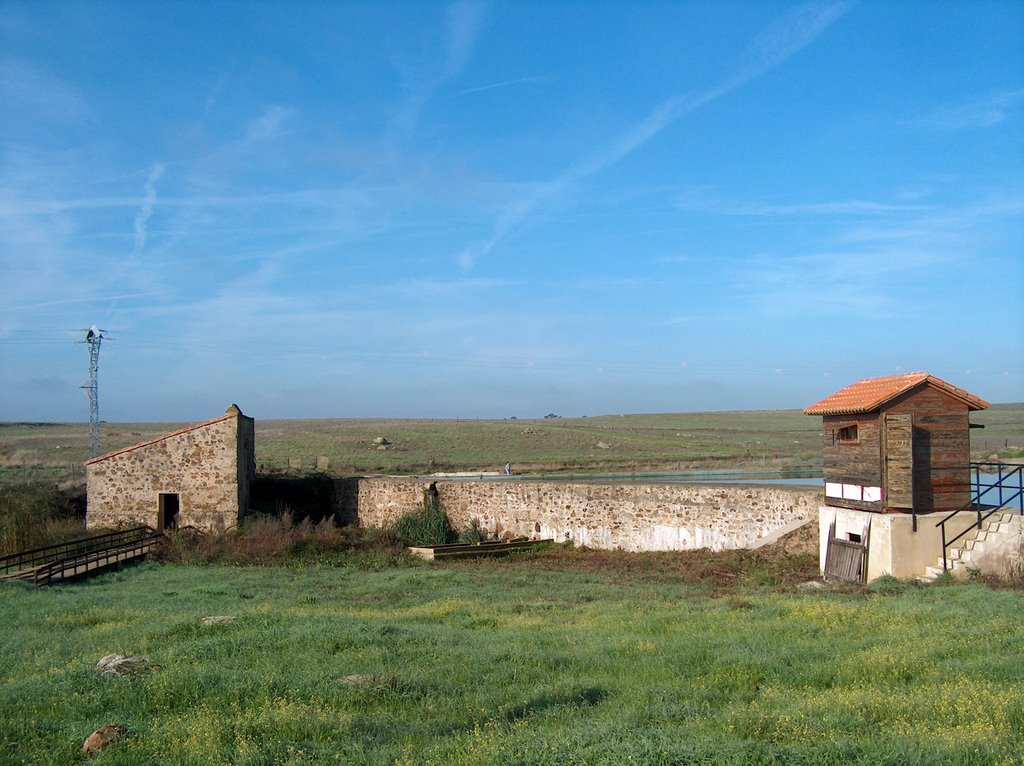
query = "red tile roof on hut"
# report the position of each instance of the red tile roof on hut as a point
(872, 393)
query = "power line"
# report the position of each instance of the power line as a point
(285, 348)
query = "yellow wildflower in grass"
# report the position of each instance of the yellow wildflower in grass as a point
(889, 663)
(448, 607)
(631, 647)
(950, 713)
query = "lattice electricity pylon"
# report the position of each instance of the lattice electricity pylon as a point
(93, 338)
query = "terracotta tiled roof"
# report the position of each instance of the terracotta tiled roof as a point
(232, 412)
(871, 393)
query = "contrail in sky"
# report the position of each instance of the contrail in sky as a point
(774, 45)
(148, 203)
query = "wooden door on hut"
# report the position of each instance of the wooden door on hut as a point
(898, 457)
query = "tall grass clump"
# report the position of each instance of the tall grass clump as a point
(430, 526)
(265, 540)
(35, 514)
(473, 534)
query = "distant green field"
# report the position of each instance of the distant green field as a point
(483, 663)
(773, 439)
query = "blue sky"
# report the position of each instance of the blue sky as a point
(327, 209)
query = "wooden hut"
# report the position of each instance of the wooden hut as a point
(894, 448)
(898, 443)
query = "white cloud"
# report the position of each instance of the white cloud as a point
(269, 125)
(94, 299)
(870, 270)
(25, 87)
(435, 288)
(148, 203)
(937, 227)
(613, 283)
(984, 112)
(508, 83)
(785, 37)
(463, 21)
(210, 103)
(680, 259)
(702, 202)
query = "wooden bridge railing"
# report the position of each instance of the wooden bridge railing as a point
(97, 560)
(14, 562)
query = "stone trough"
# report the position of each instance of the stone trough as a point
(460, 550)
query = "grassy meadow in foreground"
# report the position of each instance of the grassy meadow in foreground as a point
(509, 662)
(703, 441)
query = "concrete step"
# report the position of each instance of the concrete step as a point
(962, 558)
(996, 525)
(932, 572)
(957, 570)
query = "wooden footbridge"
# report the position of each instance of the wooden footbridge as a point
(79, 558)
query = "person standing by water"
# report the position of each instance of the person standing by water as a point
(508, 469)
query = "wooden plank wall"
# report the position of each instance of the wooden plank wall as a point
(942, 449)
(858, 462)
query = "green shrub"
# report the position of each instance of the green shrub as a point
(473, 534)
(889, 585)
(427, 527)
(33, 515)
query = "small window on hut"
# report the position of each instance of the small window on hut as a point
(847, 435)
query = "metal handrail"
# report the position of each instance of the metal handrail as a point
(1003, 482)
(78, 547)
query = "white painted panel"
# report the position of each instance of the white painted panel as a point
(873, 494)
(832, 489)
(851, 492)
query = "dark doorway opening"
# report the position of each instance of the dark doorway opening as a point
(170, 504)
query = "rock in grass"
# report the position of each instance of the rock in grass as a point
(99, 739)
(375, 680)
(123, 665)
(812, 585)
(219, 620)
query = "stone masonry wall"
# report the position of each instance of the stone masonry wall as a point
(627, 516)
(199, 464)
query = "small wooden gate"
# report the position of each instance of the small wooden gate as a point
(847, 559)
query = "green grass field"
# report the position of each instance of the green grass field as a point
(774, 440)
(529, 660)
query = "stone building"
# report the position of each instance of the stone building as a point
(196, 476)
